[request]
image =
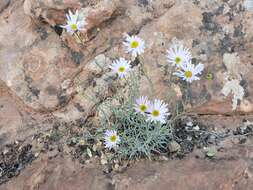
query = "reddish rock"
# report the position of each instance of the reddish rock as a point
(192, 175)
(230, 172)
(4, 4)
(42, 71)
(60, 173)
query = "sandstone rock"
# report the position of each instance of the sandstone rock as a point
(32, 60)
(59, 173)
(17, 121)
(158, 36)
(4, 4)
(193, 175)
(10, 120)
(190, 174)
(53, 13)
(44, 68)
(36, 62)
(42, 71)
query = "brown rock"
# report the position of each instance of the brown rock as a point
(61, 173)
(36, 62)
(10, 120)
(53, 13)
(191, 174)
(17, 120)
(42, 72)
(4, 4)
(32, 60)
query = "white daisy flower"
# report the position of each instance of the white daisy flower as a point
(189, 72)
(178, 54)
(111, 139)
(75, 22)
(158, 111)
(142, 104)
(121, 67)
(134, 45)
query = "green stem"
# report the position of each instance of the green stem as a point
(171, 75)
(188, 93)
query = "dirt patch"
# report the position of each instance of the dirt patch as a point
(91, 3)
(190, 135)
(14, 158)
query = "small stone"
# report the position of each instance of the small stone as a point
(36, 154)
(5, 151)
(174, 147)
(81, 142)
(196, 128)
(189, 138)
(164, 158)
(65, 84)
(89, 152)
(94, 148)
(103, 159)
(116, 166)
(190, 124)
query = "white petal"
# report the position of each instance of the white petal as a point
(198, 69)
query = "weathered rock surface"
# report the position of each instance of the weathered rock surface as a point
(45, 73)
(4, 4)
(192, 175)
(232, 171)
(36, 62)
(18, 121)
(61, 173)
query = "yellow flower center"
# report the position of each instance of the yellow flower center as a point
(209, 76)
(113, 138)
(122, 69)
(178, 60)
(73, 27)
(134, 44)
(188, 74)
(143, 107)
(156, 113)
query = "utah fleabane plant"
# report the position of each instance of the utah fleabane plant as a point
(189, 72)
(178, 54)
(134, 45)
(138, 137)
(111, 139)
(121, 67)
(75, 22)
(158, 111)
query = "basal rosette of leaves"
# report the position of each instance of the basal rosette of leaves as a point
(138, 137)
